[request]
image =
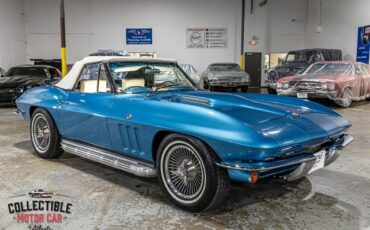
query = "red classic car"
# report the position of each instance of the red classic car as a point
(340, 81)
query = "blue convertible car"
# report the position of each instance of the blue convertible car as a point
(147, 117)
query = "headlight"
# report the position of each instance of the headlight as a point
(324, 86)
(328, 86)
(285, 85)
(331, 86)
(245, 79)
(282, 85)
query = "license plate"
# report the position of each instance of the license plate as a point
(320, 161)
(302, 95)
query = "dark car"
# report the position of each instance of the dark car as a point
(296, 62)
(21, 78)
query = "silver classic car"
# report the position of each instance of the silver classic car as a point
(225, 75)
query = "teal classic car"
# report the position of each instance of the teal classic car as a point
(148, 118)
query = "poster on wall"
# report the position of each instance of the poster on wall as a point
(363, 46)
(139, 36)
(206, 38)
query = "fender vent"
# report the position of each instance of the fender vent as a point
(196, 100)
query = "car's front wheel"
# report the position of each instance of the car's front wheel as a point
(44, 135)
(346, 99)
(188, 174)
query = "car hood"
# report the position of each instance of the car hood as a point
(318, 77)
(226, 74)
(19, 81)
(285, 120)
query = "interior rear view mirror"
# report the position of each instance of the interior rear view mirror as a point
(152, 71)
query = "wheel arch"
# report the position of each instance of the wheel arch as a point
(160, 135)
(33, 108)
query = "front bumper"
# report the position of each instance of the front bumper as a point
(228, 84)
(310, 93)
(294, 168)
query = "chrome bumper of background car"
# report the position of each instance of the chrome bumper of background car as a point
(305, 164)
(310, 93)
(228, 83)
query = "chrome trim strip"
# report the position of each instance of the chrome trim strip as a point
(108, 158)
(263, 169)
(196, 99)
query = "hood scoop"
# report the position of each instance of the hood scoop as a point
(195, 100)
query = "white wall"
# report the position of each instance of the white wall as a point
(273, 27)
(340, 20)
(96, 24)
(12, 34)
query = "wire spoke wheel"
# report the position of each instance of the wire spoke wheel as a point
(183, 171)
(40, 132)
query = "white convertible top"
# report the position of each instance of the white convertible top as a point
(70, 79)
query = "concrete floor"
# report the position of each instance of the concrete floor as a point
(337, 197)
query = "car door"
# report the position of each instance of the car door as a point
(83, 114)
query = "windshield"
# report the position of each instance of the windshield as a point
(303, 56)
(152, 76)
(39, 72)
(225, 67)
(329, 68)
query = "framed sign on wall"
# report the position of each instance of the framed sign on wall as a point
(139, 36)
(206, 38)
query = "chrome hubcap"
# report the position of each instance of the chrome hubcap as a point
(40, 133)
(184, 172)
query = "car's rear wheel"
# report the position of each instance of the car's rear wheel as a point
(188, 174)
(44, 135)
(346, 99)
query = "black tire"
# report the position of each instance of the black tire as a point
(210, 190)
(271, 90)
(205, 84)
(49, 134)
(346, 99)
(244, 89)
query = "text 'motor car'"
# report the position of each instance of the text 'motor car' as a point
(146, 117)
